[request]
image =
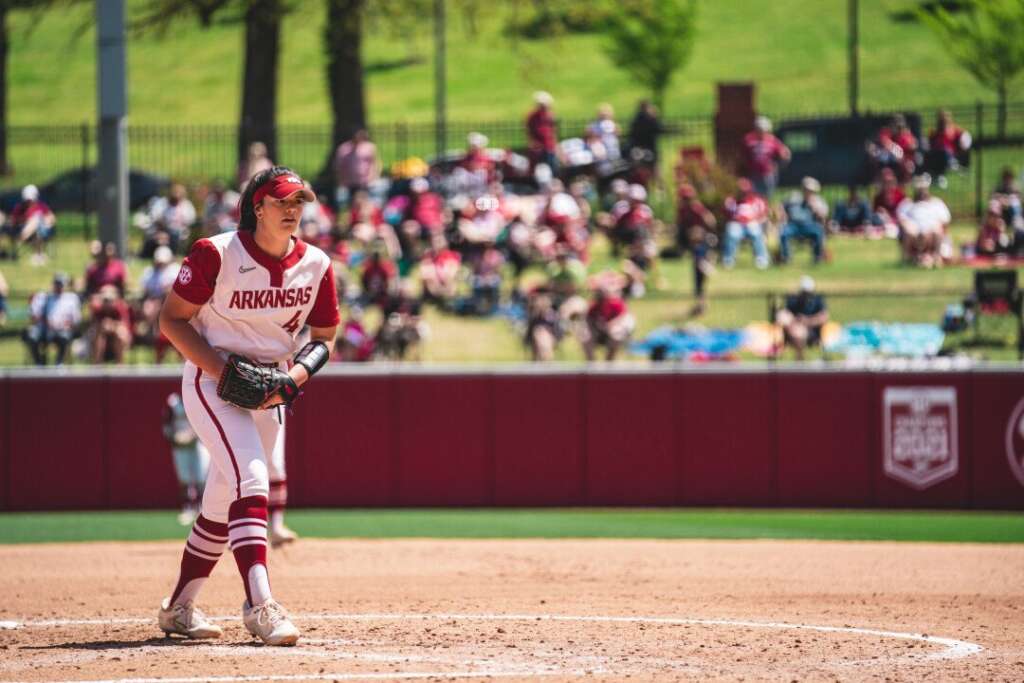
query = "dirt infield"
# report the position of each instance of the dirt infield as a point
(523, 610)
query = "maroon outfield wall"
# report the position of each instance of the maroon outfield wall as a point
(423, 437)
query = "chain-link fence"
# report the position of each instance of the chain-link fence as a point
(196, 154)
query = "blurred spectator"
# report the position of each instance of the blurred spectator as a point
(109, 326)
(4, 292)
(402, 329)
(367, 224)
(640, 261)
(220, 210)
(694, 228)
(885, 206)
(423, 215)
(593, 152)
(316, 221)
(542, 132)
(802, 317)
(477, 163)
(763, 152)
(191, 459)
(439, 270)
(379, 278)
(747, 220)
(644, 131)
(924, 224)
(806, 214)
(567, 278)
(356, 165)
(337, 248)
(105, 269)
(157, 280)
(894, 147)
(608, 324)
(606, 131)
(561, 224)
(354, 343)
(580, 191)
(485, 283)
(256, 160)
(33, 222)
(54, 319)
(543, 325)
(904, 137)
(614, 203)
(853, 216)
(636, 223)
(948, 144)
(993, 237)
(167, 220)
(1008, 194)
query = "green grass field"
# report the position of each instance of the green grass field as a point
(958, 527)
(794, 50)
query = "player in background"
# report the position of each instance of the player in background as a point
(191, 459)
(245, 294)
(277, 532)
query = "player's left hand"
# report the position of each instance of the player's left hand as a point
(298, 375)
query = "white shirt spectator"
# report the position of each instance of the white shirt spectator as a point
(219, 211)
(924, 217)
(60, 311)
(176, 218)
(157, 281)
(608, 133)
(314, 221)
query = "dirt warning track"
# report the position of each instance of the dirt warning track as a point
(527, 610)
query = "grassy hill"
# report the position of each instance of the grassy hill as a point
(795, 50)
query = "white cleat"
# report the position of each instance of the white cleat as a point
(269, 622)
(186, 516)
(186, 620)
(281, 535)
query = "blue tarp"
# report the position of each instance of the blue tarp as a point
(684, 343)
(914, 340)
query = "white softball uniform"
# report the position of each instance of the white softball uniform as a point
(255, 305)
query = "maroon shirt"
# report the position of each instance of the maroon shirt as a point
(690, 214)
(762, 153)
(888, 200)
(111, 273)
(540, 126)
(607, 310)
(24, 210)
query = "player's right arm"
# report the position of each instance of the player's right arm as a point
(174, 323)
(192, 289)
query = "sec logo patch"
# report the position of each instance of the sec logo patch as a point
(185, 275)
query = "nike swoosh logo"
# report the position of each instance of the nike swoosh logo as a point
(245, 270)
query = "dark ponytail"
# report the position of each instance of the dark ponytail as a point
(247, 217)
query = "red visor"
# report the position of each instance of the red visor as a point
(281, 187)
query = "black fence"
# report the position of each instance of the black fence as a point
(197, 154)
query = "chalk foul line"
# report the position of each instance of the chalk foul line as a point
(952, 648)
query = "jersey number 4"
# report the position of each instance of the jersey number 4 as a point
(293, 323)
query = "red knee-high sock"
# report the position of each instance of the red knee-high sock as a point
(247, 534)
(202, 550)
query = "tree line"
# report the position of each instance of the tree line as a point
(650, 39)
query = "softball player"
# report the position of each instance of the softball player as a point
(191, 459)
(234, 314)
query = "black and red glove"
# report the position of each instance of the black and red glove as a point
(249, 385)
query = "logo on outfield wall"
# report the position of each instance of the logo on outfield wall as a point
(1015, 441)
(919, 428)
